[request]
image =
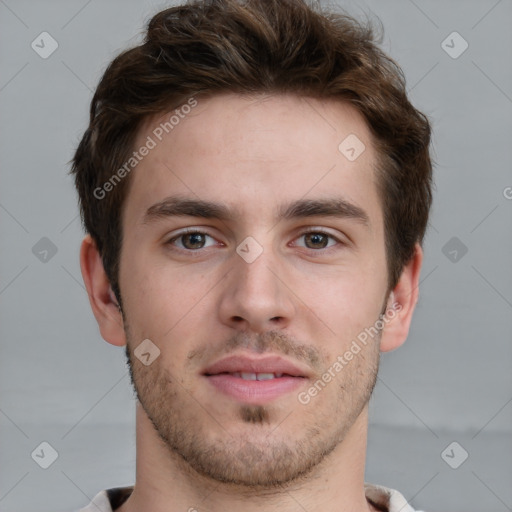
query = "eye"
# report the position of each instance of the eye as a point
(191, 240)
(318, 240)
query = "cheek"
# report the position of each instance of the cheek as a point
(152, 292)
(166, 307)
(348, 303)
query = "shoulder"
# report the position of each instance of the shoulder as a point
(386, 499)
(108, 500)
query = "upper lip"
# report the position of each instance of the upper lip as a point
(246, 364)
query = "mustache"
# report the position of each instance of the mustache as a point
(274, 342)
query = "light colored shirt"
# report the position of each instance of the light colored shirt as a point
(383, 498)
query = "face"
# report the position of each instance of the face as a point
(253, 257)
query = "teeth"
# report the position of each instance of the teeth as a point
(248, 376)
(265, 376)
(257, 376)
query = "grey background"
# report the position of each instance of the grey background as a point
(61, 383)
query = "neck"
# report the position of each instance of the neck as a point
(166, 483)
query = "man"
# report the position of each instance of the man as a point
(255, 186)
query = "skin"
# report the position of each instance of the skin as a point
(197, 300)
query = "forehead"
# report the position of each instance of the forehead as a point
(248, 151)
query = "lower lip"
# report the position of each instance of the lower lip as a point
(255, 391)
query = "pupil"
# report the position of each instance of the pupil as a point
(317, 239)
(195, 240)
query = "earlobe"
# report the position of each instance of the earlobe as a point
(101, 297)
(401, 303)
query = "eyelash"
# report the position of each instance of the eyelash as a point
(303, 233)
(185, 233)
(321, 250)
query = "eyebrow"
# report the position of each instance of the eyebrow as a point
(175, 206)
(330, 207)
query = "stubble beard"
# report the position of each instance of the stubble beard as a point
(263, 455)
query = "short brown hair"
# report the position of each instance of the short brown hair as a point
(256, 46)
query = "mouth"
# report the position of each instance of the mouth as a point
(257, 376)
(255, 380)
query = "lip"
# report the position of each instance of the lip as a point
(246, 364)
(219, 375)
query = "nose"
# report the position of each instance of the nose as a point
(255, 296)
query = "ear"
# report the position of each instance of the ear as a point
(103, 302)
(401, 303)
